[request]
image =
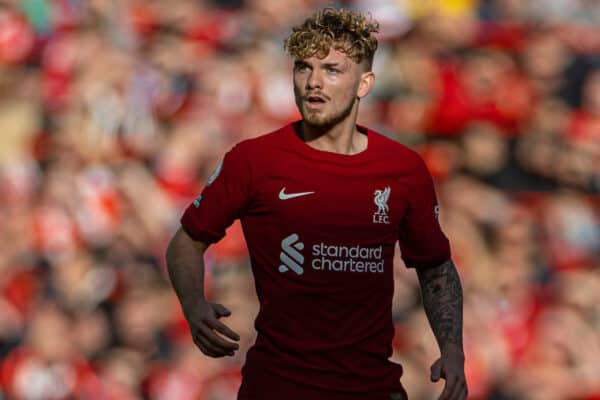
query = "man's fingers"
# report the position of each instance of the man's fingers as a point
(217, 341)
(436, 371)
(452, 389)
(206, 347)
(455, 386)
(221, 310)
(460, 386)
(213, 349)
(461, 389)
(222, 329)
(448, 388)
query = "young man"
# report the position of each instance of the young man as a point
(322, 203)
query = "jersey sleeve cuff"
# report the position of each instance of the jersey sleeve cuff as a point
(425, 263)
(200, 236)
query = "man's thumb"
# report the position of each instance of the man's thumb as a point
(221, 310)
(436, 370)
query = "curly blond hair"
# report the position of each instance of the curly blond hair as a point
(347, 31)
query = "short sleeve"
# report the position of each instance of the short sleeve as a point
(224, 198)
(422, 242)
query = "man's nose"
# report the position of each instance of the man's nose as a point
(315, 80)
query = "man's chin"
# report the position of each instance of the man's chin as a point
(316, 121)
(319, 119)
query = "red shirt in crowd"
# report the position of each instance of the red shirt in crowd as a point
(321, 229)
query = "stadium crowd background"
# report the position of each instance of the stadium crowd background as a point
(113, 113)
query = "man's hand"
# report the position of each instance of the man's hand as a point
(451, 367)
(205, 327)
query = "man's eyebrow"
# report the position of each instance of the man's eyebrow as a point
(336, 65)
(300, 63)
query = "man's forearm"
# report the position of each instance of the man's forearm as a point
(443, 303)
(185, 263)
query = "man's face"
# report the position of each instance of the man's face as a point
(326, 89)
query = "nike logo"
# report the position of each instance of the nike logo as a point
(286, 196)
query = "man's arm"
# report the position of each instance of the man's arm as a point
(443, 302)
(185, 264)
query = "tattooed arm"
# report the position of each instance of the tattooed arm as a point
(442, 300)
(443, 303)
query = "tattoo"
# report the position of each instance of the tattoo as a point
(443, 300)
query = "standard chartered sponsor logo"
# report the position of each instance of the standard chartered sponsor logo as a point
(328, 257)
(347, 258)
(290, 255)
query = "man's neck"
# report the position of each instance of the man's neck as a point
(342, 138)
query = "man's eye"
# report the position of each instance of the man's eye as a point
(333, 70)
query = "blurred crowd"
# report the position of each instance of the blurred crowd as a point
(114, 113)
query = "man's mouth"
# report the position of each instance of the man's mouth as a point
(315, 100)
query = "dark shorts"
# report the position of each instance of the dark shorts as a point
(323, 395)
(280, 389)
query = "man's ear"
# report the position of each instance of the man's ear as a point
(367, 80)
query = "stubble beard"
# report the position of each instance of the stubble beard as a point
(321, 119)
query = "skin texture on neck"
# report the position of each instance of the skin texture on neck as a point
(338, 83)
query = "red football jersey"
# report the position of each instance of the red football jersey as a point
(321, 229)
